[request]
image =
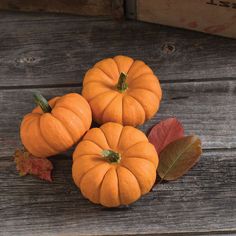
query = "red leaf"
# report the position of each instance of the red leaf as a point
(165, 132)
(26, 163)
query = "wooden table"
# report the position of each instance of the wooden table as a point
(51, 53)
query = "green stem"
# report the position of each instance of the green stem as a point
(42, 102)
(111, 156)
(122, 85)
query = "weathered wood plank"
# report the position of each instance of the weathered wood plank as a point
(85, 7)
(204, 200)
(56, 53)
(206, 109)
(60, 49)
(8, 17)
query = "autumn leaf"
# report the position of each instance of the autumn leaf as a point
(26, 163)
(165, 132)
(178, 157)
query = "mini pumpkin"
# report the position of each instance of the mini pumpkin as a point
(55, 126)
(122, 90)
(114, 165)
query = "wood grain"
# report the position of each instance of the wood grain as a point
(60, 49)
(206, 109)
(50, 53)
(85, 7)
(204, 200)
(190, 14)
(8, 17)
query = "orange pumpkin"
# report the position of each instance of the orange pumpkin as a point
(122, 90)
(114, 165)
(55, 126)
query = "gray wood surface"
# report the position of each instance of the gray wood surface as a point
(201, 201)
(50, 53)
(56, 50)
(206, 109)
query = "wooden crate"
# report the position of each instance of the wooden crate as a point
(209, 16)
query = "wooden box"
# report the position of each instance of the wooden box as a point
(209, 16)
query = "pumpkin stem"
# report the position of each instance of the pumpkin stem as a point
(122, 85)
(111, 156)
(42, 102)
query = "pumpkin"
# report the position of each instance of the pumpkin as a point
(114, 165)
(55, 126)
(122, 90)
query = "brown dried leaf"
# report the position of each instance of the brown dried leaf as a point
(26, 163)
(178, 157)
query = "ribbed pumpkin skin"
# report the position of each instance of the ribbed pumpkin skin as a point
(114, 184)
(47, 134)
(134, 106)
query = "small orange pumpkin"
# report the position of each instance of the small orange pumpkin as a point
(122, 90)
(55, 126)
(114, 165)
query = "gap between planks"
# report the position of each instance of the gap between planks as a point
(80, 84)
(68, 154)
